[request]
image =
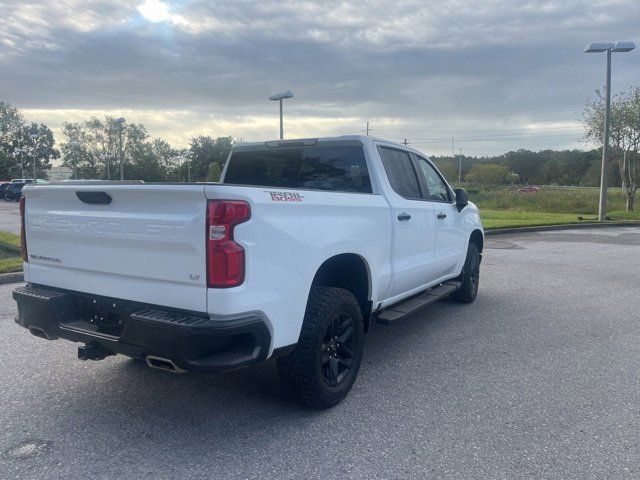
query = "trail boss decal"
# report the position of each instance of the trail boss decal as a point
(284, 196)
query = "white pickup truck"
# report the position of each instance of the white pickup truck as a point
(293, 254)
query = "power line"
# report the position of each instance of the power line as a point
(498, 138)
(528, 130)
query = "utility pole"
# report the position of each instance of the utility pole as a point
(405, 142)
(367, 129)
(460, 167)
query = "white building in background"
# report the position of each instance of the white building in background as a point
(57, 174)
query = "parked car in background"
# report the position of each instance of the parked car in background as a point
(3, 188)
(529, 189)
(13, 190)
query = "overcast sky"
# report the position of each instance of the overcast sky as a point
(495, 75)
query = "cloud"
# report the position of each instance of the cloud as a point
(424, 70)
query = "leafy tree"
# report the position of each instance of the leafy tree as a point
(624, 132)
(447, 169)
(37, 140)
(206, 150)
(11, 131)
(526, 164)
(488, 174)
(215, 170)
(512, 178)
(6, 164)
(94, 147)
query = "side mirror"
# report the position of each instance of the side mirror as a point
(461, 198)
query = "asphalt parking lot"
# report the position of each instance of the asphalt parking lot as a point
(9, 217)
(538, 378)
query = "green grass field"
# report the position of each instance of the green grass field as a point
(503, 219)
(10, 239)
(581, 201)
(10, 260)
(503, 207)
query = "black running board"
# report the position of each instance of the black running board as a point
(413, 304)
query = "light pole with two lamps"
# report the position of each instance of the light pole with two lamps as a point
(599, 48)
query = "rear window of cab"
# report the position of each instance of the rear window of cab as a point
(331, 168)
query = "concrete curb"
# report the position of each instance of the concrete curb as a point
(11, 277)
(566, 226)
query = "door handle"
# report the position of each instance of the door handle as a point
(441, 216)
(404, 216)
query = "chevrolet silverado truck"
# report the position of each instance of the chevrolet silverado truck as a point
(294, 254)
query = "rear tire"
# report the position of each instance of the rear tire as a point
(470, 277)
(324, 365)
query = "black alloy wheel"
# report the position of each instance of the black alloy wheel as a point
(337, 349)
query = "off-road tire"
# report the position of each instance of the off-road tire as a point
(470, 277)
(306, 370)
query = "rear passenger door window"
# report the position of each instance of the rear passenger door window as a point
(400, 172)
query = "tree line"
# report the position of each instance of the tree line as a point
(94, 149)
(24, 145)
(569, 167)
(525, 167)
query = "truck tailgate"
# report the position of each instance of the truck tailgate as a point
(146, 244)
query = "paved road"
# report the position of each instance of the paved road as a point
(9, 217)
(538, 379)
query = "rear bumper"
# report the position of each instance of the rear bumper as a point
(191, 340)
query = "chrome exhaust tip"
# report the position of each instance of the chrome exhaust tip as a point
(163, 364)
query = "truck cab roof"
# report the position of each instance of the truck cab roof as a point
(301, 142)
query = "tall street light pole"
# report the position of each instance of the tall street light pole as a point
(280, 97)
(120, 121)
(33, 138)
(608, 48)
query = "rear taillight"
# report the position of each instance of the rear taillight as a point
(23, 234)
(225, 258)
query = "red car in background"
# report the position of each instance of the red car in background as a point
(530, 189)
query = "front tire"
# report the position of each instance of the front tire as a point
(470, 277)
(324, 365)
